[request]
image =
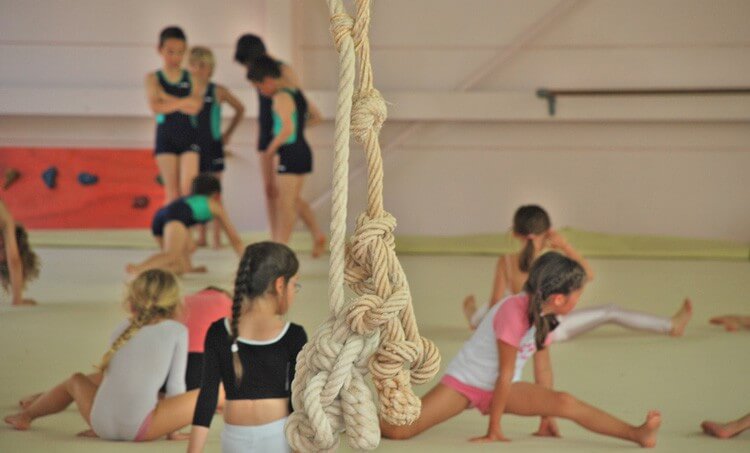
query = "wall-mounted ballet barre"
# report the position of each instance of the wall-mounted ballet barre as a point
(551, 95)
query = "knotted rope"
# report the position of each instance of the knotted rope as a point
(377, 331)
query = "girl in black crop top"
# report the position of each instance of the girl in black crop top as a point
(253, 354)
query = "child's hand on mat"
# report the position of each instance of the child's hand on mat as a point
(178, 436)
(548, 428)
(493, 435)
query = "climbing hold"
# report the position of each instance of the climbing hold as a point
(87, 179)
(140, 202)
(11, 176)
(159, 180)
(50, 177)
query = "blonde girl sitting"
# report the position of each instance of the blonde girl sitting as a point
(120, 402)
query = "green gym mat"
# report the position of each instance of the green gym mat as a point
(588, 243)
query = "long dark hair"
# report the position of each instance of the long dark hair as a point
(260, 266)
(29, 259)
(551, 273)
(529, 219)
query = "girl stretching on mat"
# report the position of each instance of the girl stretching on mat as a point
(254, 355)
(120, 402)
(172, 99)
(199, 311)
(486, 373)
(171, 223)
(211, 140)
(18, 263)
(532, 226)
(249, 47)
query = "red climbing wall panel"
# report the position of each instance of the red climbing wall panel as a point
(123, 175)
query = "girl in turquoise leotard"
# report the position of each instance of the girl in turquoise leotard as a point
(171, 224)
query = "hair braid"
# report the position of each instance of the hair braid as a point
(240, 291)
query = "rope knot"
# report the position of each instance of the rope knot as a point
(397, 404)
(342, 25)
(368, 114)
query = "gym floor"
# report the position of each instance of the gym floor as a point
(702, 375)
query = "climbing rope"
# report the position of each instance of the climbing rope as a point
(377, 331)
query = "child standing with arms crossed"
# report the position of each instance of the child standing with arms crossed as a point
(486, 373)
(211, 139)
(172, 99)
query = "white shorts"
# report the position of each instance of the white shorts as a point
(262, 438)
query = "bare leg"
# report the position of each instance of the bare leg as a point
(534, 400)
(438, 405)
(728, 429)
(77, 388)
(308, 217)
(270, 203)
(215, 227)
(26, 401)
(169, 169)
(286, 205)
(175, 240)
(171, 414)
(189, 163)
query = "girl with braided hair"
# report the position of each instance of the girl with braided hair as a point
(253, 354)
(120, 401)
(532, 226)
(486, 373)
(18, 263)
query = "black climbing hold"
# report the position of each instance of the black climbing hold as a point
(140, 202)
(87, 179)
(50, 177)
(11, 176)
(159, 180)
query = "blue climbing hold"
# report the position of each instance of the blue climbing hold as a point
(87, 179)
(50, 177)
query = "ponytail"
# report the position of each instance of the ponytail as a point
(552, 273)
(527, 256)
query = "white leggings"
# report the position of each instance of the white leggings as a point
(586, 319)
(263, 438)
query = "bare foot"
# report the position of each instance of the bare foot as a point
(24, 303)
(730, 323)
(26, 401)
(218, 246)
(319, 247)
(716, 429)
(19, 421)
(87, 433)
(200, 243)
(681, 319)
(470, 307)
(198, 270)
(646, 433)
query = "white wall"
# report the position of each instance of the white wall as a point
(659, 174)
